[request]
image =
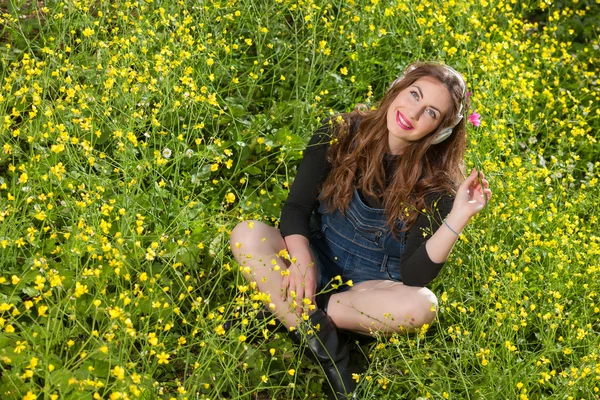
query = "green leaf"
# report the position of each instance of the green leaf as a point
(254, 170)
(30, 291)
(60, 377)
(101, 367)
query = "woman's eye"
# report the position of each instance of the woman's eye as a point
(431, 113)
(415, 95)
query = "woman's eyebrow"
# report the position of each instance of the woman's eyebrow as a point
(421, 93)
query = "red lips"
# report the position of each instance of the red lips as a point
(402, 121)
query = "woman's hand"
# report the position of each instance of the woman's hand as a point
(300, 283)
(472, 195)
(301, 279)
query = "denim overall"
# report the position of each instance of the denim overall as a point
(357, 245)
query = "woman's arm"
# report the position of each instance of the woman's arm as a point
(298, 207)
(471, 197)
(417, 268)
(295, 218)
(424, 258)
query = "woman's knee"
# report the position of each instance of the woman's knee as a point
(243, 235)
(249, 237)
(426, 308)
(239, 232)
(417, 307)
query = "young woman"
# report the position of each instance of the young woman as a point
(364, 224)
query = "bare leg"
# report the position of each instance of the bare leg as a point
(382, 306)
(255, 246)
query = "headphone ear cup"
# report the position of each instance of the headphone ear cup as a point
(446, 132)
(443, 135)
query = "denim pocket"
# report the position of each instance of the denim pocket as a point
(369, 234)
(393, 269)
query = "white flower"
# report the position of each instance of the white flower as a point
(166, 153)
(189, 153)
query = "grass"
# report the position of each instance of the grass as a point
(134, 136)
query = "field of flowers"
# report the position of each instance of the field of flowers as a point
(135, 134)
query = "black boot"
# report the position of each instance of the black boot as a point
(327, 349)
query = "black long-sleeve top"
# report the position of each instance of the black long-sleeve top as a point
(417, 269)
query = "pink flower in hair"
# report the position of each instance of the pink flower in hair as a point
(474, 118)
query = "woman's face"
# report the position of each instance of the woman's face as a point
(416, 111)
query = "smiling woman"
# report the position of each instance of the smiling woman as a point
(416, 111)
(354, 237)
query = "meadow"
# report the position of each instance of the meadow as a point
(134, 135)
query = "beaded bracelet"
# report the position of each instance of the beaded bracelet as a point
(453, 231)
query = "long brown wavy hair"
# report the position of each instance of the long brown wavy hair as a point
(424, 169)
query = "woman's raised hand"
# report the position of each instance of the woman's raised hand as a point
(472, 195)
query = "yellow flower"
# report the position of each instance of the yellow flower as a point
(119, 373)
(42, 311)
(230, 197)
(152, 339)
(29, 396)
(163, 358)
(292, 372)
(21, 345)
(220, 330)
(80, 289)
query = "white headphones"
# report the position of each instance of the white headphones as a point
(444, 133)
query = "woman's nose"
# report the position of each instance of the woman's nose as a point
(415, 113)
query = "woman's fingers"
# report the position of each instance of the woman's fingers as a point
(471, 178)
(285, 282)
(310, 293)
(470, 184)
(299, 297)
(291, 290)
(476, 181)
